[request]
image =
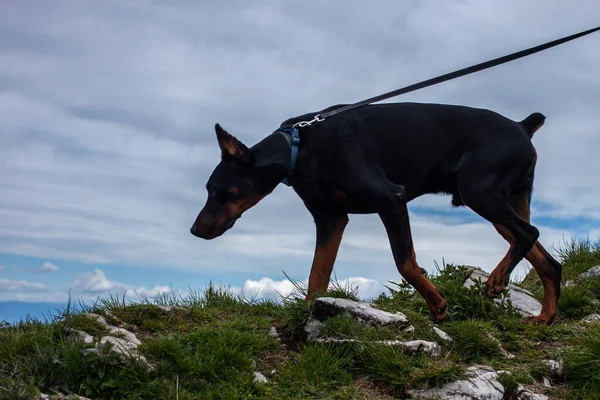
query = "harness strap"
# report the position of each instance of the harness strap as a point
(294, 143)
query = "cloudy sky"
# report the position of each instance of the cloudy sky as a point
(107, 111)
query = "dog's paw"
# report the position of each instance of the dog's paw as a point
(542, 319)
(439, 313)
(495, 286)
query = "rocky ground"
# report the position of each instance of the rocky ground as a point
(212, 345)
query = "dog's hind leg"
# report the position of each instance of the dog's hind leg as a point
(396, 222)
(548, 269)
(484, 185)
(330, 229)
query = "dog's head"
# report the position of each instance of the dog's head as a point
(235, 185)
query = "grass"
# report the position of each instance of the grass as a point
(582, 361)
(209, 343)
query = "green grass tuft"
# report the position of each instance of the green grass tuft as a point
(472, 339)
(319, 369)
(582, 361)
(576, 302)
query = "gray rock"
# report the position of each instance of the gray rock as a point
(591, 273)
(168, 309)
(80, 335)
(592, 319)
(500, 348)
(546, 382)
(480, 382)
(120, 345)
(555, 367)
(312, 328)
(260, 378)
(326, 307)
(522, 300)
(432, 349)
(442, 334)
(62, 396)
(119, 340)
(525, 394)
(273, 332)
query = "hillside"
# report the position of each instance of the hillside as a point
(213, 345)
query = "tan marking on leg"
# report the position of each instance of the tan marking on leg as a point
(325, 255)
(413, 274)
(500, 275)
(538, 257)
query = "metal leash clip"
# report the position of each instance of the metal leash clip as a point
(303, 124)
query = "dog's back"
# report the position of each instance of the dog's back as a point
(420, 146)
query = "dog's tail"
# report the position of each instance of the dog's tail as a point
(533, 123)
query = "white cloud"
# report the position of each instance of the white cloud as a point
(87, 287)
(47, 267)
(97, 284)
(7, 285)
(267, 288)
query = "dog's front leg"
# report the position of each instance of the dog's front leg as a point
(330, 229)
(395, 219)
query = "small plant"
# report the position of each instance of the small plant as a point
(473, 339)
(436, 374)
(511, 380)
(575, 302)
(389, 364)
(295, 314)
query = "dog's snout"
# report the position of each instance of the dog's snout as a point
(193, 229)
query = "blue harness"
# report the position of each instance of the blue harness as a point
(294, 143)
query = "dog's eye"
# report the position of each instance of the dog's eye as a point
(222, 196)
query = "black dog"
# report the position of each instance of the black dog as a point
(377, 158)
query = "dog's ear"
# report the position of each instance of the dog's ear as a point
(231, 148)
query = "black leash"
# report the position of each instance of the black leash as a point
(452, 75)
(293, 131)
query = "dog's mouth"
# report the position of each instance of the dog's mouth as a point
(230, 223)
(198, 231)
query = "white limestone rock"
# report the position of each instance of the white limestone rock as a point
(80, 335)
(555, 367)
(480, 382)
(432, 349)
(120, 340)
(591, 273)
(312, 328)
(443, 335)
(525, 394)
(592, 319)
(522, 300)
(260, 378)
(326, 307)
